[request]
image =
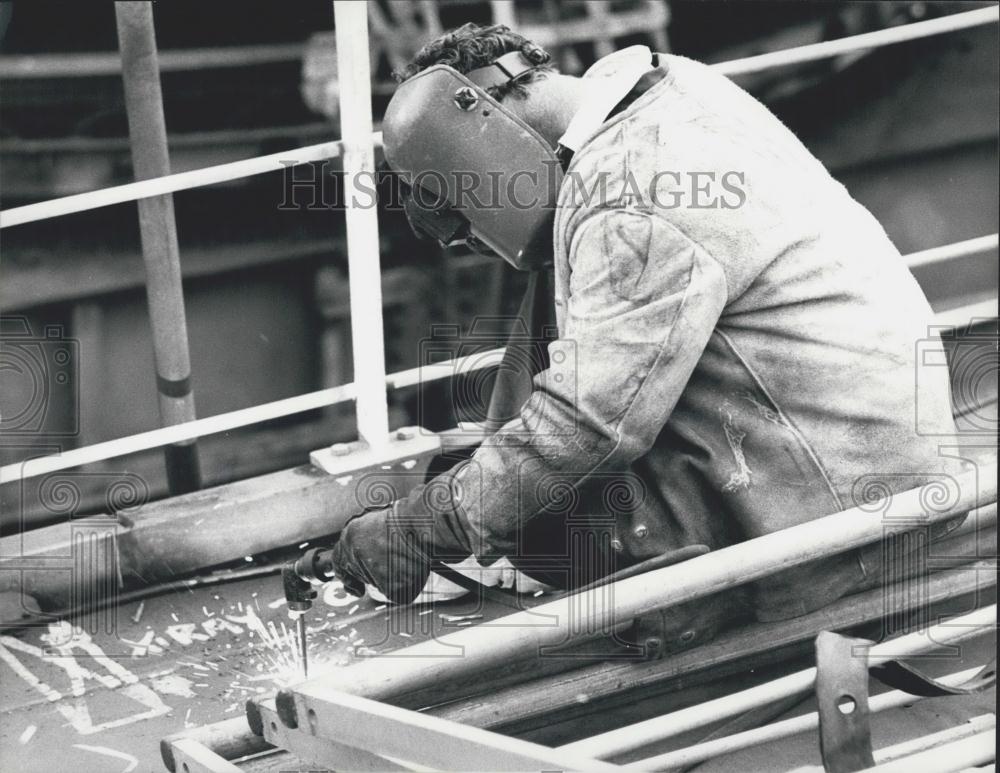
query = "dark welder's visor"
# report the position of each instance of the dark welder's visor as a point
(447, 226)
(442, 223)
(476, 173)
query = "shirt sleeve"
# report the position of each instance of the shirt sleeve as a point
(644, 300)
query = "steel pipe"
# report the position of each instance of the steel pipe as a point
(978, 749)
(975, 725)
(550, 700)
(158, 231)
(670, 725)
(463, 654)
(786, 728)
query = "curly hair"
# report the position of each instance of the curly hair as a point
(470, 47)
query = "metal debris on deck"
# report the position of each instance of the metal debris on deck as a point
(459, 618)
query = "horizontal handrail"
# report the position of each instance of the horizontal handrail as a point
(273, 162)
(866, 40)
(964, 316)
(82, 202)
(177, 433)
(157, 186)
(223, 422)
(948, 252)
(103, 63)
(98, 63)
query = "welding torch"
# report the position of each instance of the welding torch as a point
(300, 578)
(315, 567)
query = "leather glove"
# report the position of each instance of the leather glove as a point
(394, 548)
(382, 550)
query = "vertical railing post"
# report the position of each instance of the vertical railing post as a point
(364, 274)
(158, 231)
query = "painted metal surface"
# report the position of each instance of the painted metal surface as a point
(158, 232)
(351, 23)
(98, 694)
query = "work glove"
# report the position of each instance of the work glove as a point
(394, 548)
(377, 549)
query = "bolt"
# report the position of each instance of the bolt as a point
(687, 636)
(406, 433)
(466, 98)
(340, 449)
(617, 545)
(641, 531)
(653, 644)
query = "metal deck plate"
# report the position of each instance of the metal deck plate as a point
(98, 696)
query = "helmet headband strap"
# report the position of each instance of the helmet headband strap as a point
(502, 71)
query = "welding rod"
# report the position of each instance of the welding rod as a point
(300, 629)
(299, 593)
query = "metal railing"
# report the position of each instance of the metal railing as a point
(356, 149)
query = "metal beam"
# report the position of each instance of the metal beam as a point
(158, 231)
(161, 541)
(192, 757)
(263, 719)
(542, 699)
(552, 700)
(390, 731)
(228, 739)
(378, 728)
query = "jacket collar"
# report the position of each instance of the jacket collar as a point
(612, 77)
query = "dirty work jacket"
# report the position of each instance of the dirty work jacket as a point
(736, 354)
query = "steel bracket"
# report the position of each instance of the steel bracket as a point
(404, 443)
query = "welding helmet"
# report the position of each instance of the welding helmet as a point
(472, 171)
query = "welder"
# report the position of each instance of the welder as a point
(735, 343)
